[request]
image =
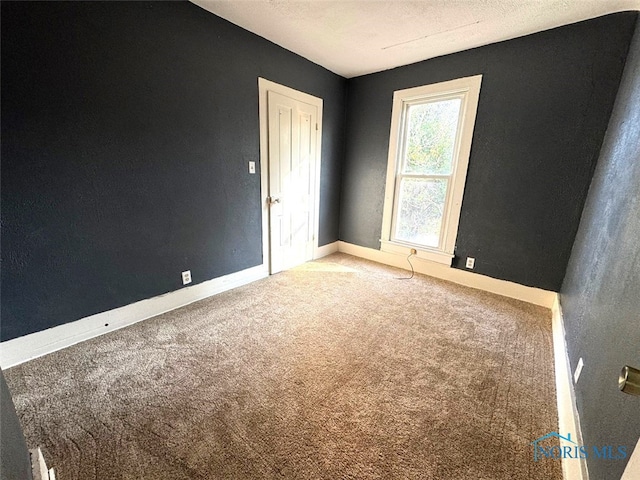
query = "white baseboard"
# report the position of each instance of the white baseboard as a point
(21, 349)
(505, 288)
(568, 419)
(325, 250)
(39, 470)
(632, 471)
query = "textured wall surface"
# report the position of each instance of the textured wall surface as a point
(14, 455)
(600, 293)
(126, 132)
(544, 105)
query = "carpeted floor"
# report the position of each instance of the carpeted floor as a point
(335, 369)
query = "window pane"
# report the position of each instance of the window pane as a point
(420, 210)
(430, 137)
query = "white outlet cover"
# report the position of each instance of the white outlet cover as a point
(186, 277)
(252, 167)
(471, 262)
(576, 374)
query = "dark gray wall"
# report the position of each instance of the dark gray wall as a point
(126, 132)
(544, 105)
(14, 455)
(600, 295)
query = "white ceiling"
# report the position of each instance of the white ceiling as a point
(357, 37)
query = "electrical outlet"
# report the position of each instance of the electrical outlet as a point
(252, 167)
(471, 262)
(576, 374)
(186, 277)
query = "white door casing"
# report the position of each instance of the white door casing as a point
(290, 139)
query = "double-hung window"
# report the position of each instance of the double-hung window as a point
(430, 142)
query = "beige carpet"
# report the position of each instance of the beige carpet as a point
(333, 370)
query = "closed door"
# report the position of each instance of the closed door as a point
(292, 130)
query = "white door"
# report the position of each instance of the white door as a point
(292, 136)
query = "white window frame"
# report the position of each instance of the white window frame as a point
(468, 90)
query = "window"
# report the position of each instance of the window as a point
(431, 131)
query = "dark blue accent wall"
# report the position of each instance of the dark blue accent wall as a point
(600, 295)
(544, 105)
(127, 128)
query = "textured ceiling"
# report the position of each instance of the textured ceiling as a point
(353, 38)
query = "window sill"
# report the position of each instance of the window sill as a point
(402, 249)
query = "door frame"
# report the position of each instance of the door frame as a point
(265, 86)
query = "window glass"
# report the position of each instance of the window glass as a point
(430, 137)
(421, 208)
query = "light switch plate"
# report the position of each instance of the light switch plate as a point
(252, 167)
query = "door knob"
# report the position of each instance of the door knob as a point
(273, 200)
(629, 381)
